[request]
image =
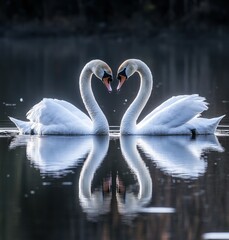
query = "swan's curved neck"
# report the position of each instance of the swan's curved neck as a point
(100, 124)
(129, 120)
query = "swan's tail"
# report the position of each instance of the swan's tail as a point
(208, 126)
(23, 127)
(216, 121)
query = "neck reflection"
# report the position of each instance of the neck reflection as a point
(97, 202)
(177, 156)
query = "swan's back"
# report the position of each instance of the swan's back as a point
(179, 115)
(53, 116)
(176, 111)
(54, 111)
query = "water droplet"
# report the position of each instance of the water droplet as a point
(66, 183)
(46, 183)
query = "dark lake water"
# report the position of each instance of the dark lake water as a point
(89, 187)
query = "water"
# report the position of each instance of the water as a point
(88, 187)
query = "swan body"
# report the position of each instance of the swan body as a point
(53, 116)
(179, 115)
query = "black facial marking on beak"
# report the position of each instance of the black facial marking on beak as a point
(122, 73)
(107, 76)
(122, 77)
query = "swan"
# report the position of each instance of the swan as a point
(53, 116)
(179, 115)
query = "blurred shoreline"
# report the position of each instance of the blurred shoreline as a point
(127, 19)
(141, 30)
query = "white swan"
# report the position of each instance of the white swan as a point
(177, 115)
(52, 116)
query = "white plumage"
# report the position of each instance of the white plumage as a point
(53, 116)
(177, 115)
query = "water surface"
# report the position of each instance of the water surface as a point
(90, 187)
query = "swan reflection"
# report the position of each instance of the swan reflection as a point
(97, 202)
(132, 204)
(179, 156)
(54, 155)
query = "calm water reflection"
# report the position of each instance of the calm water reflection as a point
(54, 155)
(132, 187)
(112, 188)
(180, 156)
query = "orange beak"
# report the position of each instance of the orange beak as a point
(106, 81)
(122, 79)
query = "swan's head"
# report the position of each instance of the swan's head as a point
(126, 69)
(103, 72)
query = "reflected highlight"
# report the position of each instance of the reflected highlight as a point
(179, 156)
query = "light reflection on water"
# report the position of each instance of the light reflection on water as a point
(75, 186)
(54, 155)
(216, 235)
(179, 156)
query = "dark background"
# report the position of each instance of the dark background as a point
(143, 17)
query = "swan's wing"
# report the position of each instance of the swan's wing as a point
(165, 104)
(74, 110)
(54, 111)
(176, 113)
